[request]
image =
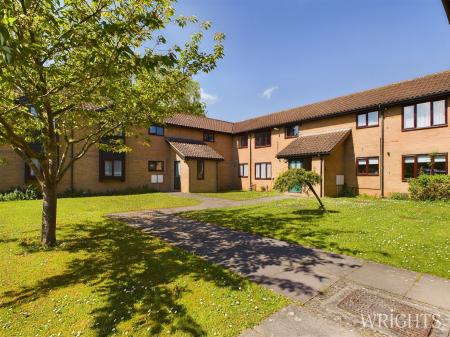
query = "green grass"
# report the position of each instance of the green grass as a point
(107, 279)
(406, 234)
(240, 195)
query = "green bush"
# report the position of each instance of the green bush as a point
(425, 187)
(30, 192)
(88, 193)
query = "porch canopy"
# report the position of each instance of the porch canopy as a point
(314, 144)
(193, 149)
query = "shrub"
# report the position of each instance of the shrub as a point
(88, 193)
(425, 187)
(399, 196)
(30, 192)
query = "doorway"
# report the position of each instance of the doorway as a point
(176, 176)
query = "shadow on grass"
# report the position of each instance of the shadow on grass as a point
(134, 272)
(299, 226)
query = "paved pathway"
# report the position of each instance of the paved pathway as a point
(297, 272)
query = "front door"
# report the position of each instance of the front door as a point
(176, 176)
(295, 163)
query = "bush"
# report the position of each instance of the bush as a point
(399, 196)
(30, 192)
(425, 187)
(126, 191)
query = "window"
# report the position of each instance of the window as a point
(304, 163)
(156, 130)
(263, 139)
(157, 179)
(425, 115)
(156, 166)
(208, 136)
(200, 169)
(368, 166)
(243, 141)
(291, 131)
(367, 119)
(263, 171)
(243, 170)
(415, 165)
(112, 165)
(29, 173)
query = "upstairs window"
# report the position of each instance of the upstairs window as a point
(367, 119)
(368, 166)
(243, 141)
(263, 139)
(208, 136)
(243, 170)
(156, 130)
(291, 131)
(415, 165)
(425, 115)
(200, 169)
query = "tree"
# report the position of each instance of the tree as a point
(74, 72)
(302, 178)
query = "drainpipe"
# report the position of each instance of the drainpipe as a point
(382, 151)
(321, 176)
(250, 160)
(217, 176)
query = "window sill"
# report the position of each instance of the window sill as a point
(289, 137)
(263, 178)
(367, 127)
(368, 175)
(102, 179)
(261, 147)
(426, 128)
(243, 147)
(243, 176)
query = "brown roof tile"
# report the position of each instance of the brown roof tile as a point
(193, 149)
(314, 144)
(430, 85)
(200, 122)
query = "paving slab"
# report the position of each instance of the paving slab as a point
(391, 279)
(432, 290)
(294, 321)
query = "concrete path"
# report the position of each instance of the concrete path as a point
(297, 272)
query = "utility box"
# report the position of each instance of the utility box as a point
(340, 180)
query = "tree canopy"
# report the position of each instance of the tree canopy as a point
(73, 72)
(298, 178)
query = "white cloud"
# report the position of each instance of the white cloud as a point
(208, 98)
(267, 94)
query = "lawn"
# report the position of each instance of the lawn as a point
(406, 234)
(107, 279)
(240, 195)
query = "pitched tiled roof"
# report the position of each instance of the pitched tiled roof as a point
(193, 149)
(397, 93)
(200, 122)
(394, 93)
(314, 144)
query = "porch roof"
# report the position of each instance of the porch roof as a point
(314, 144)
(193, 149)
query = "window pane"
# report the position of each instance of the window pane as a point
(258, 171)
(408, 163)
(108, 168)
(269, 170)
(263, 171)
(246, 170)
(362, 120)
(438, 112)
(362, 166)
(423, 115)
(423, 165)
(408, 117)
(373, 166)
(200, 169)
(373, 118)
(160, 166)
(292, 131)
(440, 165)
(37, 164)
(117, 168)
(152, 129)
(160, 131)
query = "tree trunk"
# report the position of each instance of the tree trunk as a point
(48, 234)
(322, 206)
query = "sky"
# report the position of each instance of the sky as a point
(281, 54)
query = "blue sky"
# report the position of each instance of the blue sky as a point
(281, 54)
